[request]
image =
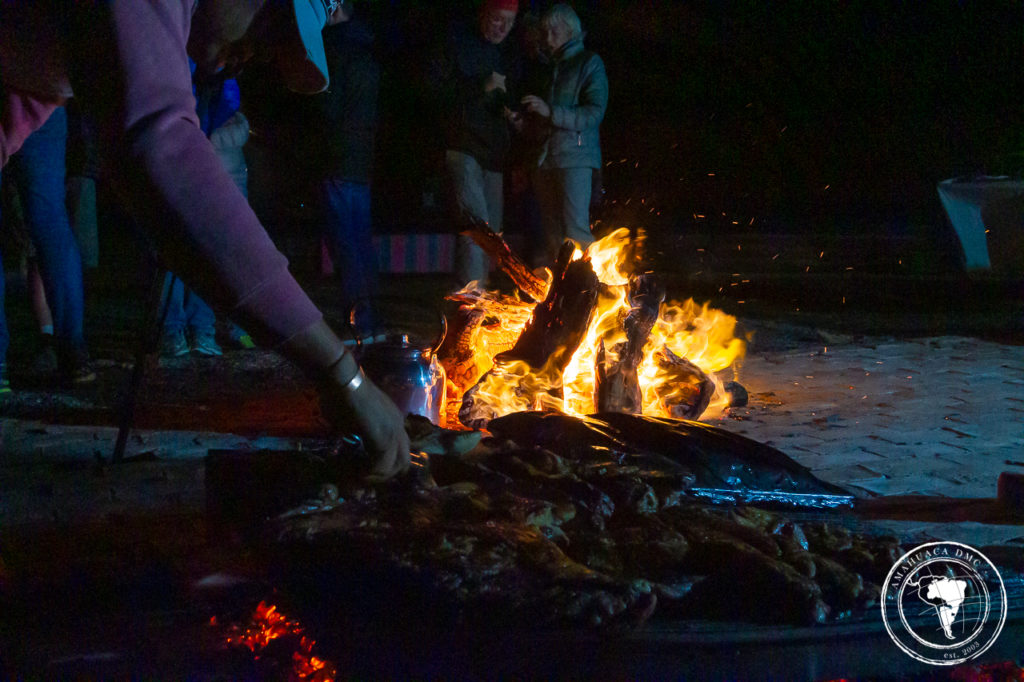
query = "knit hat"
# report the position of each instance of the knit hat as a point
(501, 5)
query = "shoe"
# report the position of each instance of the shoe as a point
(173, 344)
(5, 384)
(204, 343)
(245, 342)
(74, 368)
(78, 375)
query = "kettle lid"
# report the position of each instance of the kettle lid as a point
(397, 346)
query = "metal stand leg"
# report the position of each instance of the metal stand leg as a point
(150, 328)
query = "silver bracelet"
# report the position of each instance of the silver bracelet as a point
(352, 384)
(355, 382)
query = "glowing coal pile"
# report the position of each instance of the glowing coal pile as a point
(597, 336)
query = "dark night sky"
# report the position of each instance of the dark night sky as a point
(875, 101)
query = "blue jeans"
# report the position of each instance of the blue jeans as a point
(37, 170)
(350, 242)
(184, 308)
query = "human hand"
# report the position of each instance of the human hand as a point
(535, 105)
(367, 412)
(513, 117)
(495, 81)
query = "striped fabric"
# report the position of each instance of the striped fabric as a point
(407, 253)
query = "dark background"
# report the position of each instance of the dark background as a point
(793, 117)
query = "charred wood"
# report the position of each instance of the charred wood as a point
(559, 322)
(509, 263)
(533, 367)
(480, 328)
(617, 388)
(689, 390)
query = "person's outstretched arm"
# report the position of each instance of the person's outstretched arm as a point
(128, 66)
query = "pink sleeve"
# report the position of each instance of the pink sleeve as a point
(133, 73)
(20, 115)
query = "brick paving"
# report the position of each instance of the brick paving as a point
(939, 416)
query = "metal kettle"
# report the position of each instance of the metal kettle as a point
(409, 374)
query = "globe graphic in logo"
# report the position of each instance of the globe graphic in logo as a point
(944, 603)
(951, 591)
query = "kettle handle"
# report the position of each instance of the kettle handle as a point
(350, 320)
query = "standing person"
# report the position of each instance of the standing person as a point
(189, 324)
(128, 63)
(38, 171)
(476, 72)
(521, 199)
(571, 109)
(348, 110)
(81, 166)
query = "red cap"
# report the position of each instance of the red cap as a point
(501, 4)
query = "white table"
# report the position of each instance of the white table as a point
(972, 204)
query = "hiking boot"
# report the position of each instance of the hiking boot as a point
(173, 344)
(204, 343)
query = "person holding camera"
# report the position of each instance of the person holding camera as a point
(477, 73)
(569, 113)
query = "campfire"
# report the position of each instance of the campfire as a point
(591, 499)
(594, 335)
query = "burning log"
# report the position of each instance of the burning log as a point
(687, 392)
(534, 366)
(458, 355)
(558, 324)
(479, 323)
(511, 264)
(617, 386)
(606, 341)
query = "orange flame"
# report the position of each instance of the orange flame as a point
(702, 335)
(267, 624)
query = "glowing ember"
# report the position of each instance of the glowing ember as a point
(695, 333)
(268, 624)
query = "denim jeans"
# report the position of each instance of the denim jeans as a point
(350, 242)
(184, 308)
(37, 170)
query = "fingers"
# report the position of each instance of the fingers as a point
(393, 460)
(387, 441)
(535, 105)
(369, 413)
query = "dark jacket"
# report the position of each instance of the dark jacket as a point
(82, 156)
(349, 106)
(578, 95)
(475, 121)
